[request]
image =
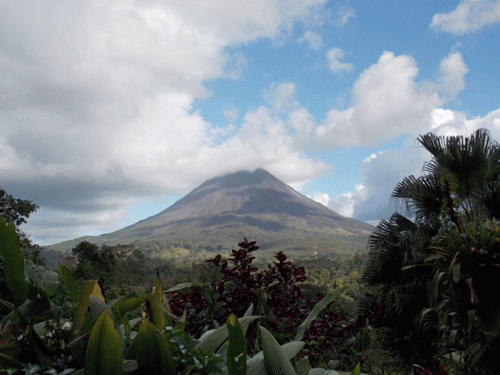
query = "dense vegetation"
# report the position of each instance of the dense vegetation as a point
(424, 299)
(434, 266)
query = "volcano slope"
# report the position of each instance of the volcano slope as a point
(257, 205)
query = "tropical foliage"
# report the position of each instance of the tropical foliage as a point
(277, 294)
(433, 259)
(131, 335)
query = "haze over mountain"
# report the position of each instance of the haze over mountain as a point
(257, 205)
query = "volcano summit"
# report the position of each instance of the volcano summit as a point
(219, 212)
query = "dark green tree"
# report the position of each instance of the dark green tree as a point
(86, 252)
(95, 263)
(460, 188)
(17, 211)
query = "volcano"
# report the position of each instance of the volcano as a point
(257, 205)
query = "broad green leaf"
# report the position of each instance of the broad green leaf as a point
(42, 328)
(37, 304)
(127, 305)
(274, 358)
(47, 279)
(302, 367)
(70, 280)
(104, 355)
(256, 366)
(433, 257)
(13, 262)
(78, 346)
(96, 306)
(249, 310)
(153, 352)
(292, 348)
(316, 310)
(157, 314)
(357, 370)
(236, 351)
(179, 287)
(213, 339)
(247, 313)
(129, 367)
(89, 288)
(321, 371)
(129, 325)
(7, 362)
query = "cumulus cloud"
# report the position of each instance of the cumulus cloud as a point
(322, 198)
(163, 152)
(96, 104)
(370, 201)
(451, 81)
(379, 177)
(387, 103)
(344, 203)
(313, 40)
(335, 55)
(467, 17)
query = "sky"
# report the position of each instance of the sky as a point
(110, 111)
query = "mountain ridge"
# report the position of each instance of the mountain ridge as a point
(222, 210)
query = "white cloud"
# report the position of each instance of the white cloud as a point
(344, 203)
(168, 147)
(379, 177)
(166, 151)
(96, 103)
(314, 41)
(370, 158)
(452, 76)
(387, 102)
(281, 98)
(241, 22)
(344, 14)
(322, 198)
(448, 122)
(302, 123)
(468, 16)
(381, 172)
(334, 56)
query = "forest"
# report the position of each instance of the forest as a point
(423, 299)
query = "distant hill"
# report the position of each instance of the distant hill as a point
(221, 211)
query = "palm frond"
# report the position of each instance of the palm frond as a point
(422, 198)
(472, 161)
(489, 200)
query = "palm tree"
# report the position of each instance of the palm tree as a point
(473, 163)
(461, 185)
